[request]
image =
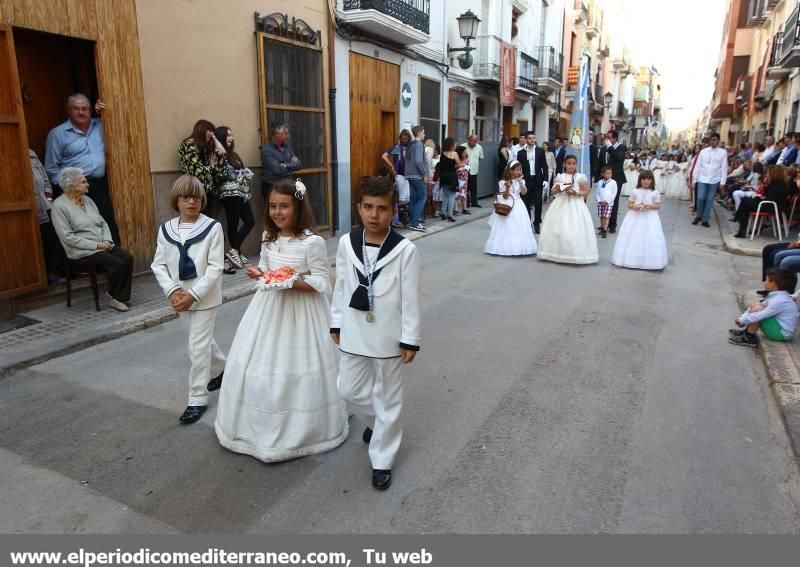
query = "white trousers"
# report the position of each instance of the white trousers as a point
(740, 194)
(204, 353)
(373, 390)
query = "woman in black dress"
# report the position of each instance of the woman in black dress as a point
(448, 179)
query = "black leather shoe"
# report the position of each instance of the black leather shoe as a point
(536, 228)
(451, 219)
(467, 212)
(696, 221)
(612, 229)
(215, 383)
(367, 436)
(381, 479)
(192, 414)
(443, 217)
(740, 235)
(705, 224)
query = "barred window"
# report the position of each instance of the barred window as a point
(459, 116)
(430, 108)
(292, 92)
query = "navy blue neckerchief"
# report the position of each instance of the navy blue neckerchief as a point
(360, 299)
(186, 268)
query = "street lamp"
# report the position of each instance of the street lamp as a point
(468, 30)
(608, 98)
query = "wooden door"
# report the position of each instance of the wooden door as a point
(374, 107)
(20, 246)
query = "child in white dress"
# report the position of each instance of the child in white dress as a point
(279, 399)
(511, 235)
(640, 243)
(567, 229)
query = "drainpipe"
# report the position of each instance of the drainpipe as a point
(332, 102)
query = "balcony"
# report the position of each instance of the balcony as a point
(527, 67)
(774, 69)
(487, 59)
(550, 73)
(580, 11)
(405, 22)
(592, 27)
(790, 46)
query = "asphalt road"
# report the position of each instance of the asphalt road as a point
(546, 399)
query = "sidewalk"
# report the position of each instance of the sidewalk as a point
(741, 246)
(46, 328)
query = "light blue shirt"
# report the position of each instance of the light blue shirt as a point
(67, 146)
(778, 304)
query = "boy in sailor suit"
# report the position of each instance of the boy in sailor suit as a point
(375, 320)
(188, 265)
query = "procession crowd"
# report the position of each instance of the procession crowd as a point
(286, 391)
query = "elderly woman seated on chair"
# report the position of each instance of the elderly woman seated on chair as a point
(86, 236)
(776, 191)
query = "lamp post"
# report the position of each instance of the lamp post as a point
(468, 30)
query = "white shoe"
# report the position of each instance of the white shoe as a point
(118, 305)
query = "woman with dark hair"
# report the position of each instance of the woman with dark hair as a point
(449, 163)
(776, 190)
(199, 155)
(233, 190)
(502, 156)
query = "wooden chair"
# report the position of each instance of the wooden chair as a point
(82, 267)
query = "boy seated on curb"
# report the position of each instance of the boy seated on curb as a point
(776, 315)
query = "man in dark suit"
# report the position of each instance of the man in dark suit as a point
(613, 155)
(594, 161)
(534, 169)
(560, 153)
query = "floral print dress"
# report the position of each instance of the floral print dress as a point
(463, 178)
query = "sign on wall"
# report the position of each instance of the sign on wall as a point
(508, 74)
(405, 95)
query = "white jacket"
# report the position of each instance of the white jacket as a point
(207, 253)
(606, 191)
(396, 302)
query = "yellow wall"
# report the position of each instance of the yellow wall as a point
(199, 61)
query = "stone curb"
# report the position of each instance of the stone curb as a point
(784, 379)
(730, 243)
(68, 345)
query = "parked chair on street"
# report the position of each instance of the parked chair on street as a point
(84, 266)
(779, 225)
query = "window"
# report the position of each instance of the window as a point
(430, 108)
(292, 92)
(459, 116)
(739, 68)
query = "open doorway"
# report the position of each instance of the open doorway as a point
(50, 68)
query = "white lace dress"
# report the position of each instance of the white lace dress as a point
(567, 229)
(511, 235)
(641, 243)
(631, 178)
(676, 185)
(279, 399)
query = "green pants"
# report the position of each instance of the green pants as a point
(772, 329)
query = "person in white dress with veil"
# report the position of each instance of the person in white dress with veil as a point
(279, 399)
(568, 234)
(631, 175)
(511, 234)
(676, 185)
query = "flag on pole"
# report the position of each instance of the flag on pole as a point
(579, 124)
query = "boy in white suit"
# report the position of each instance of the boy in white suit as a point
(188, 265)
(376, 323)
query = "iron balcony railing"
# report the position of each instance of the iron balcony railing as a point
(527, 67)
(487, 58)
(777, 46)
(598, 94)
(791, 33)
(414, 13)
(551, 63)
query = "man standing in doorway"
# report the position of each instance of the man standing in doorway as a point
(613, 156)
(78, 142)
(278, 160)
(711, 170)
(534, 170)
(475, 155)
